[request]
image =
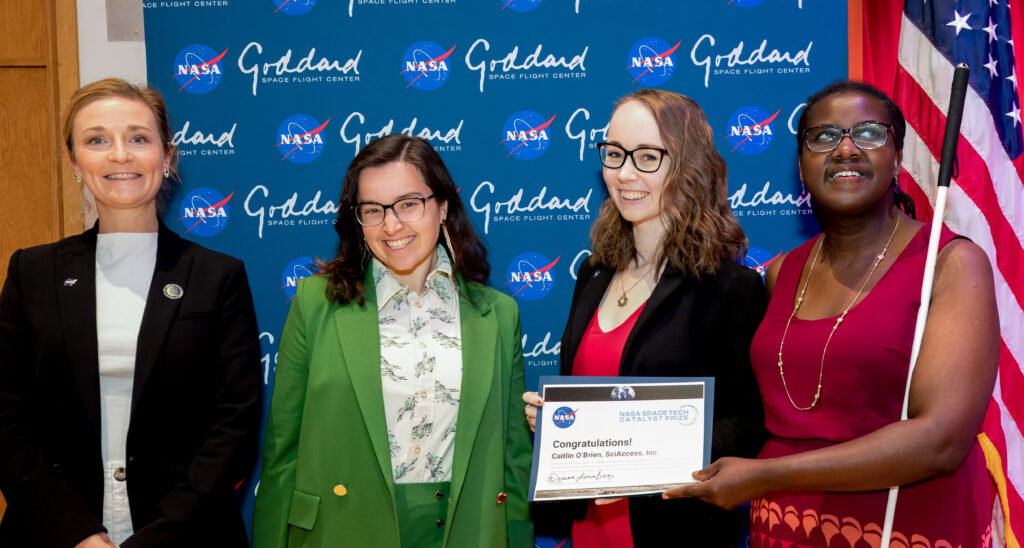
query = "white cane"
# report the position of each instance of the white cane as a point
(949, 143)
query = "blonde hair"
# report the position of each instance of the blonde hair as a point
(116, 87)
(701, 229)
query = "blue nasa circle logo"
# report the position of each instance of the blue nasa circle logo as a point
(530, 276)
(293, 7)
(300, 267)
(520, 5)
(564, 417)
(198, 69)
(205, 212)
(300, 138)
(425, 65)
(751, 129)
(652, 61)
(758, 259)
(526, 135)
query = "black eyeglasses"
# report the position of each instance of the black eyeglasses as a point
(645, 159)
(406, 210)
(865, 135)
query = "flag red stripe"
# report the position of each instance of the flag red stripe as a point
(929, 123)
(921, 203)
(1011, 382)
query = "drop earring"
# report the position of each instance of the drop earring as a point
(448, 240)
(167, 173)
(366, 251)
(78, 178)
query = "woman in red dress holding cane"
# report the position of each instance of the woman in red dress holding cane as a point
(832, 356)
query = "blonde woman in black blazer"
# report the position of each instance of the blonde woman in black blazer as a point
(194, 396)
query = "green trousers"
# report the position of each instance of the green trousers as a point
(422, 510)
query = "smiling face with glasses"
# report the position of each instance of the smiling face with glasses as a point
(401, 220)
(848, 159)
(635, 186)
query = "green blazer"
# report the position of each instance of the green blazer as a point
(327, 477)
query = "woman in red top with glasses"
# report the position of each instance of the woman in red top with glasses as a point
(662, 296)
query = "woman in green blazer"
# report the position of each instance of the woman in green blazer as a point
(395, 419)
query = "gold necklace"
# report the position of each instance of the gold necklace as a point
(839, 320)
(623, 299)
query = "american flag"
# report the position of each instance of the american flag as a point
(986, 200)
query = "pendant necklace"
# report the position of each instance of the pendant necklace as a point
(839, 320)
(623, 299)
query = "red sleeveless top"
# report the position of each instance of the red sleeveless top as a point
(863, 383)
(599, 355)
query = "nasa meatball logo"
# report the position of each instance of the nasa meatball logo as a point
(688, 415)
(300, 138)
(758, 259)
(652, 61)
(198, 69)
(564, 417)
(205, 212)
(425, 65)
(530, 276)
(751, 129)
(526, 135)
(293, 7)
(519, 5)
(299, 268)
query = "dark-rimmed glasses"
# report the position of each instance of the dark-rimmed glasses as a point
(865, 135)
(645, 159)
(406, 210)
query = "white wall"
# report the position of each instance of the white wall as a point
(111, 40)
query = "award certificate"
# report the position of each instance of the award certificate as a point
(619, 436)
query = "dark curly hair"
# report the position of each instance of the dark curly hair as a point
(899, 127)
(347, 270)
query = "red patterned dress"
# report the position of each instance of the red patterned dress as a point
(863, 382)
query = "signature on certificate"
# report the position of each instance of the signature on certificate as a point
(556, 477)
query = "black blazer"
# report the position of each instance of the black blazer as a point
(192, 435)
(688, 328)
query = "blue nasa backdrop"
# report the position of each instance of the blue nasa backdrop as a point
(271, 100)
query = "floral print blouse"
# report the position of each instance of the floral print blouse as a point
(420, 370)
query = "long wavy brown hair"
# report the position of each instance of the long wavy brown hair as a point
(701, 229)
(347, 270)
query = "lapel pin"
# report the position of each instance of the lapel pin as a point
(70, 282)
(173, 291)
